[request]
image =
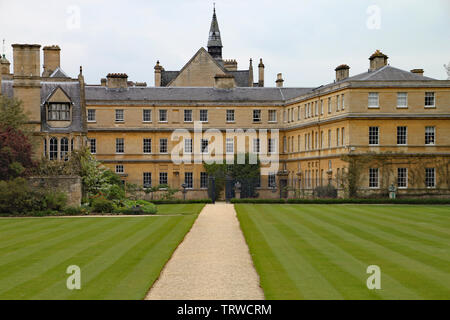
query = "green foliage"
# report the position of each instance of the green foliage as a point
(133, 191)
(247, 174)
(18, 198)
(168, 192)
(425, 201)
(181, 201)
(77, 211)
(136, 207)
(12, 114)
(95, 177)
(328, 191)
(102, 205)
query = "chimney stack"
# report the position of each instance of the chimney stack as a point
(27, 81)
(4, 65)
(419, 72)
(158, 70)
(377, 60)
(250, 74)
(224, 81)
(51, 59)
(342, 72)
(261, 73)
(279, 81)
(117, 80)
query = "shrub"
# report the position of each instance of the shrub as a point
(102, 205)
(17, 198)
(328, 191)
(137, 207)
(77, 211)
(180, 201)
(55, 200)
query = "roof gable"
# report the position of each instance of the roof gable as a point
(58, 95)
(199, 71)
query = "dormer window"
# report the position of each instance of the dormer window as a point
(58, 111)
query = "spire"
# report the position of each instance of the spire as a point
(214, 40)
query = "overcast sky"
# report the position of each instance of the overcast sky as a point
(303, 39)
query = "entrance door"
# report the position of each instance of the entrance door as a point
(283, 189)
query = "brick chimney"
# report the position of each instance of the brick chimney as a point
(342, 72)
(261, 73)
(158, 70)
(419, 72)
(224, 81)
(117, 80)
(51, 59)
(279, 80)
(377, 60)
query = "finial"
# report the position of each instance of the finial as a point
(3, 48)
(81, 70)
(214, 7)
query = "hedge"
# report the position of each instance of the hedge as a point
(429, 201)
(178, 201)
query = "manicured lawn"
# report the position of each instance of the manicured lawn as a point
(323, 251)
(119, 257)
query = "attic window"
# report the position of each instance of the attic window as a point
(58, 111)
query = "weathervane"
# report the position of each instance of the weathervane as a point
(3, 48)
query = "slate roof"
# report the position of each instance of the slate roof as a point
(59, 73)
(387, 73)
(72, 90)
(240, 77)
(168, 76)
(198, 94)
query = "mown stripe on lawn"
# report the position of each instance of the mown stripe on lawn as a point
(348, 254)
(151, 263)
(304, 275)
(341, 279)
(272, 273)
(408, 239)
(398, 265)
(30, 265)
(36, 234)
(389, 214)
(106, 278)
(99, 255)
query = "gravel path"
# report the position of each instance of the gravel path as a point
(213, 262)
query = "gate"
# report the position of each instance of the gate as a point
(212, 188)
(283, 190)
(229, 188)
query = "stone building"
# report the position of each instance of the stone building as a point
(396, 121)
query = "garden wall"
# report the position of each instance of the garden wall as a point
(70, 185)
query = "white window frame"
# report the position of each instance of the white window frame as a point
(427, 134)
(120, 115)
(230, 115)
(402, 177)
(147, 176)
(165, 176)
(188, 146)
(91, 116)
(188, 115)
(402, 97)
(272, 112)
(120, 142)
(256, 145)
(400, 135)
(229, 146)
(371, 98)
(377, 135)
(433, 95)
(257, 115)
(144, 145)
(204, 149)
(92, 145)
(428, 172)
(149, 111)
(163, 142)
(120, 168)
(163, 116)
(204, 115)
(203, 180)
(372, 183)
(189, 180)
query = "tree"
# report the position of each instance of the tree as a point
(248, 175)
(12, 114)
(15, 153)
